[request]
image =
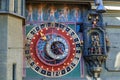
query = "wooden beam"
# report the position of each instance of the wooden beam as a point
(67, 0)
(108, 2)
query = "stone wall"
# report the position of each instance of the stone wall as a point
(3, 46)
(15, 47)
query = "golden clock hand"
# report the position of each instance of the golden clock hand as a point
(43, 36)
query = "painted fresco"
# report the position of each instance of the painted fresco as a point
(69, 14)
(53, 13)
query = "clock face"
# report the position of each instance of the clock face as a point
(52, 49)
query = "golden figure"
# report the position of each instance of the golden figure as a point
(43, 37)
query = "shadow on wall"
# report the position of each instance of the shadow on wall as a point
(117, 62)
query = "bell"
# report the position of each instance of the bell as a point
(100, 8)
(97, 2)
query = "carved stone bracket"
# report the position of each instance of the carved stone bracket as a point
(94, 64)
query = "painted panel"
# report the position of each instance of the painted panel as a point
(54, 13)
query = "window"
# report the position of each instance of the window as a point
(3, 5)
(22, 7)
(14, 72)
(15, 6)
(0, 4)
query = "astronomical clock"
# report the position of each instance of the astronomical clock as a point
(52, 49)
(52, 45)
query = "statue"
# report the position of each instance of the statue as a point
(95, 45)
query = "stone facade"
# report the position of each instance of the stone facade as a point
(15, 47)
(3, 47)
(11, 49)
(11, 41)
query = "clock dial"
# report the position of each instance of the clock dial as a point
(52, 49)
